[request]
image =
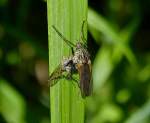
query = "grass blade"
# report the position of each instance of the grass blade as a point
(67, 105)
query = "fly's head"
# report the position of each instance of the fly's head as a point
(80, 45)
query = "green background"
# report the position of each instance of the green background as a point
(119, 43)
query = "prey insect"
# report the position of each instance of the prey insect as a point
(79, 62)
(65, 66)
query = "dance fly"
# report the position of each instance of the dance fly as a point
(81, 60)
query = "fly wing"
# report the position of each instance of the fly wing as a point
(85, 79)
(57, 74)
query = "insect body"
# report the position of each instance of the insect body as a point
(80, 61)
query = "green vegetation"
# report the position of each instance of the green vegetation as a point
(67, 105)
(118, 40)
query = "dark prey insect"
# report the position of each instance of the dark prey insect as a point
(80, 61)
(65, 66)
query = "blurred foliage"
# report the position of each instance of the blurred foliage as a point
(119, 41)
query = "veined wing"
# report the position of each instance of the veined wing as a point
(85, 79)
(57, 74)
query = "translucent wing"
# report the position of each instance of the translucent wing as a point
(85, 79)
(57, 74)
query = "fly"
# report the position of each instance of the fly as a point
(81, 60)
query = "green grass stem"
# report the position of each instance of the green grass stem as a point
(66, 103)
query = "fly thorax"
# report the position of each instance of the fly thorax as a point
(79, 57)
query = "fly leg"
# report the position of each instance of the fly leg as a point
(75, 81)
(82, 33)
(69, 43)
